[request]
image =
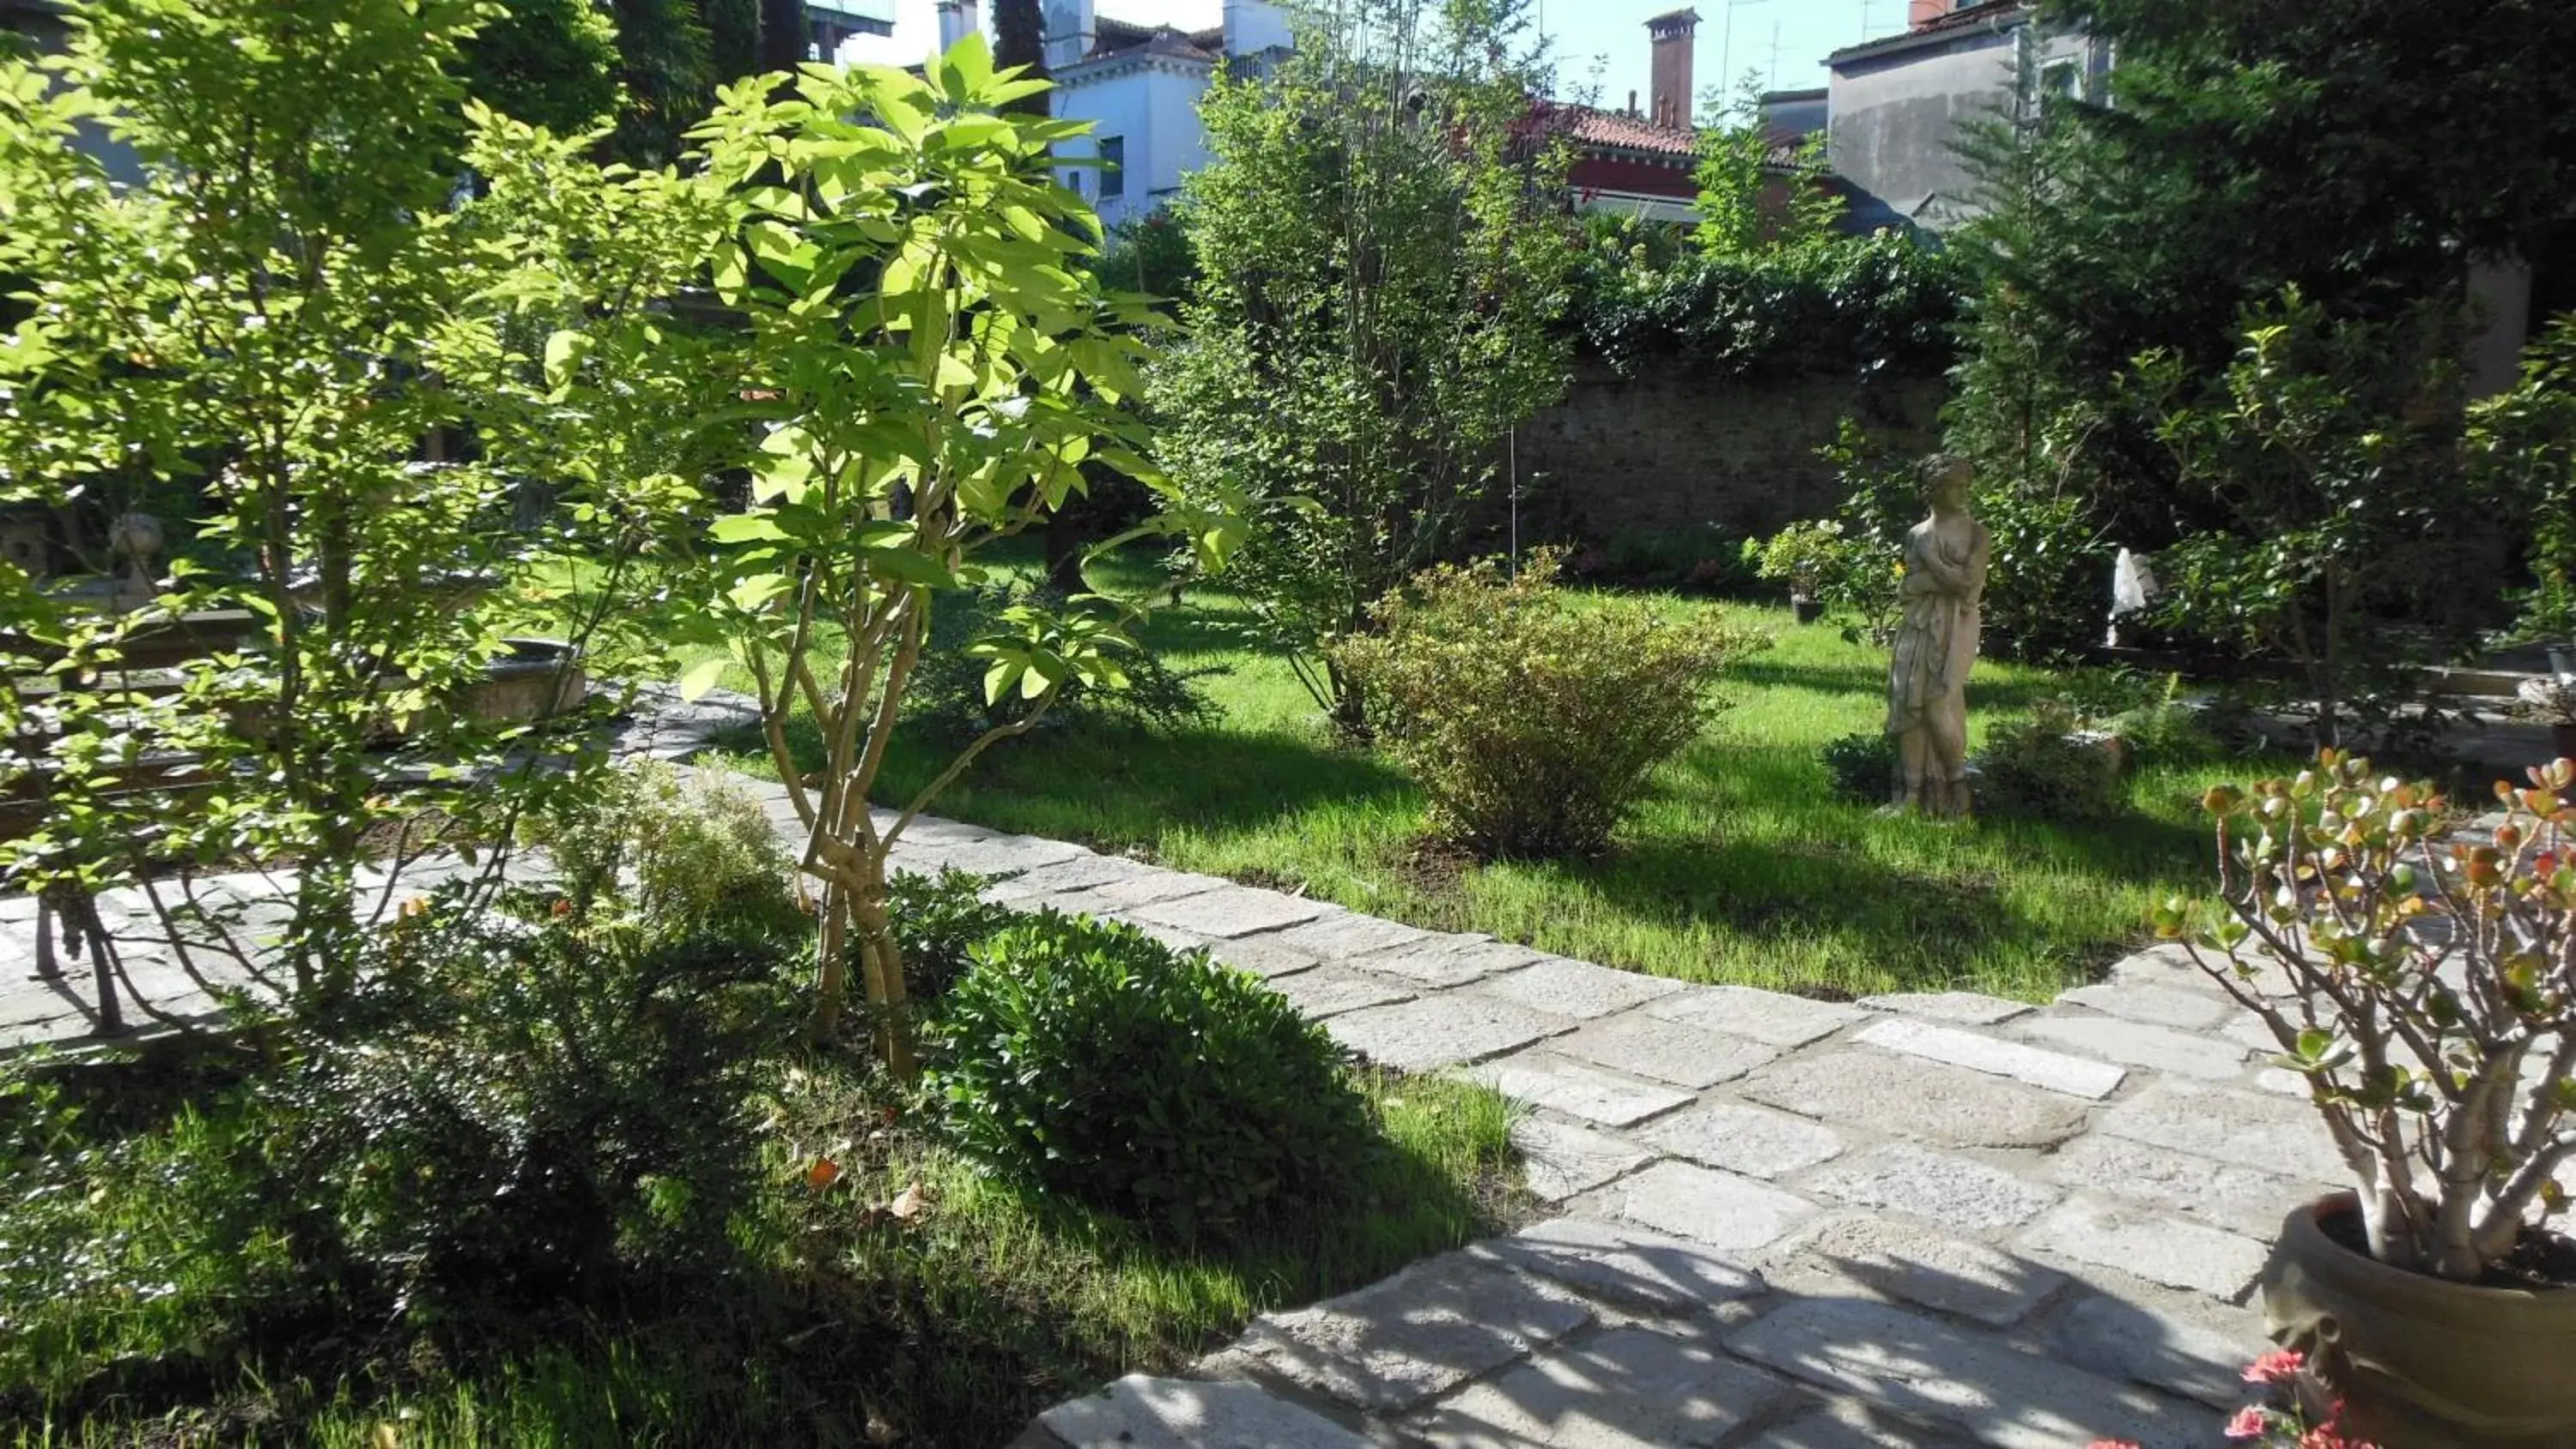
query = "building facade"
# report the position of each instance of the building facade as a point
(1897, 109)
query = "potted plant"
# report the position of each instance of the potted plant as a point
(1801, 556)
(2423, 980)
(2551, 702)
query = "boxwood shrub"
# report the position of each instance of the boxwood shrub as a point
(1086, 1058)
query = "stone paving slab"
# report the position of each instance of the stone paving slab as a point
(2139, 1045)
(1560, 1160)
(1967, 1008)
(1329, 991)
(1907, 1261)
(2231, 1195)
(1419, 1035)
(1444, 961)
(2154, 1005)
(2188, 1355)
(1227, 913)
(1549, 1081)
(1139, 1412)
(1752, 1141)
(2267, 1133)
(1628, 1388)
(1994, 1056)
(1667, 1050)
(1720, 1209)
(2153, 1246)
(1764, 1016)
(1908, 1097)
(1394, 1345)
(1626, 1267)
(1576, 988)
(1921, 1367)
(1337, 934)
(1947, 1188)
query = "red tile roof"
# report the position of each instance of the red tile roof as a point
(1591, 127)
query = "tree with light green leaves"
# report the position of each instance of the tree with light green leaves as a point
(1383, 248)
(271, 339)
(933, 366)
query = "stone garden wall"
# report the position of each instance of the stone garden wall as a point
(1678, 451)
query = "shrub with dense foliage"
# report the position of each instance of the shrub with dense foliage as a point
(939, 921)
(1090, 1059)
(673, 856)
(1532, 718)
(1863, 767)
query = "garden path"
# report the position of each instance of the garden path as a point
(1925, 1219)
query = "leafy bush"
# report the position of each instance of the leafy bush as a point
(676, 857)
(1803, 556)
(1887, 305)
(946, 695)
(2049, 767)
(938, 923)
(1530, 719)
(509, 1114)
(1704, 557)
(1087, 1058)
(518, 1111)
(1862, 766)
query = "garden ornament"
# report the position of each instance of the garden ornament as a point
(2133, 587)
(1936, 644)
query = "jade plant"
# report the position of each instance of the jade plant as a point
(2423, 980)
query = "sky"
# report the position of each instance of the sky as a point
(1599, 45)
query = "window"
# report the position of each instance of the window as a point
(1113, 166)
(2058, 78)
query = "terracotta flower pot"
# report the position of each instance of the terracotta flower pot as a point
(2417, 1360)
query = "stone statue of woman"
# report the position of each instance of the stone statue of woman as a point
(1936, 644)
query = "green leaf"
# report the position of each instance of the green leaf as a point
(701, 678)
(745, 528)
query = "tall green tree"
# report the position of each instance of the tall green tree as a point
(265, 328)
(2365, 154)
(1383, 251)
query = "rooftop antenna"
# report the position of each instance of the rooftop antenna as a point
(1771, 82)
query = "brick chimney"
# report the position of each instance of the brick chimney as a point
(1919, 13)
(1670, 93)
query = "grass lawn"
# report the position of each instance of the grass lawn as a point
(1742, 868)
(840, 1323)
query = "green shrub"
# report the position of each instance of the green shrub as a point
(1862, 766)
(938, 922)
(514, 1109)
(510, 1116)
(676, 857)
(946, 698)
(1704, 558)
(2048, 767)
(1086, 1058)
(1531, 718)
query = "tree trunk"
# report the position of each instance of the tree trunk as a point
(783, 37)
(1019, 38)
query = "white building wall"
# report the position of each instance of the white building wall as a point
(1154, 111)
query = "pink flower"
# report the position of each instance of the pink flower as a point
(2113, 1444)
(2276, 1367)
(2249, 1423)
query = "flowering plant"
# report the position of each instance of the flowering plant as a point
(2281, 1421)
